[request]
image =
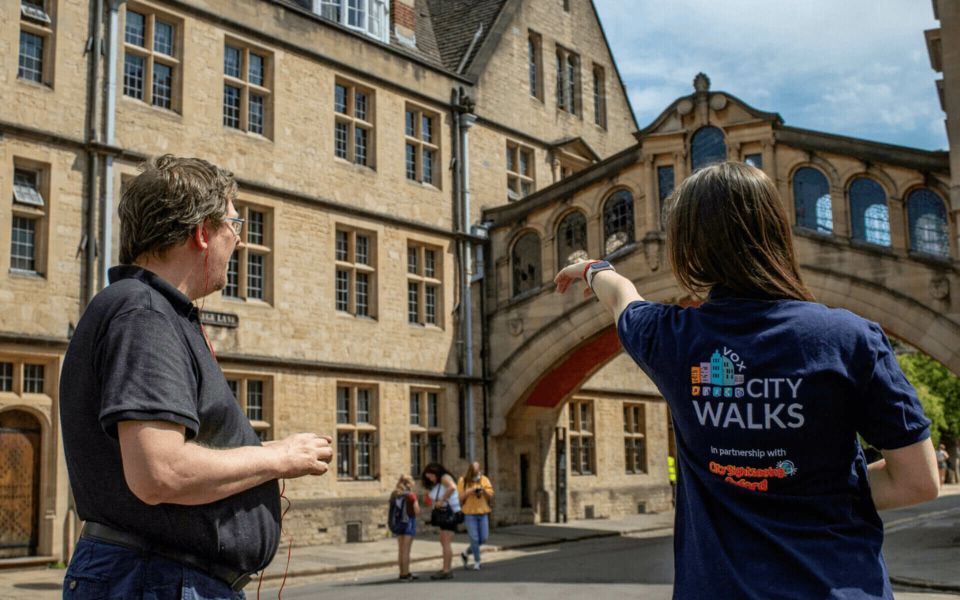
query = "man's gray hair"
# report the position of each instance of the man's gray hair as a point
(162, 205)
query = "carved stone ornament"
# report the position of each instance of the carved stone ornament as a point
(701, 83)
(940, 288)
(685, 107)
(718, 102)
(516, 326)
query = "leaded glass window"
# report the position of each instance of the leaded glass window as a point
(707, 147)
(811, 197)
(572, 239)
(868, 212)
(618, 222)
(929, 229)
(525, 258)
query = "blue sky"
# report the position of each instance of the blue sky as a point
(851, 67)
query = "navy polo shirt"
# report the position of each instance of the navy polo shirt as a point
(139, 354)
(767, 398)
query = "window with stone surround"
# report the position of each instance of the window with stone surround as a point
(250, 269)
(929, 225)
(35, 63)
(426, 431)
(424, 284)
(581, 433)
(21, 375)
(535, 64)
(356, 274)
(255, 395)
(618, 227)
(151, 51)
(526, 263)
(353, 127)
(247, 84)
(665, 185)
(599, 96)
(521, 178)
(357, 418)
(869, 217)
(635, 437)
(568, 80)
(422, 149)
(572, 239)
(28, 223)
(370, 17)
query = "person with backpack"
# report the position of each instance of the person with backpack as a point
(769, 392)
(402, 521)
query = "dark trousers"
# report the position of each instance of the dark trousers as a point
(100, 570)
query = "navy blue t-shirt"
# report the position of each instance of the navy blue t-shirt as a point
(768, 397)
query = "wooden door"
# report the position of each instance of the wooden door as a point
(19, 483)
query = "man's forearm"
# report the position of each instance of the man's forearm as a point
(204, 475)
(160, 467)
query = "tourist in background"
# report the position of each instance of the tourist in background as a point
(402, 519)
(446, 514)
(475, 494)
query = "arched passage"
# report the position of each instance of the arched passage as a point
(570, 348)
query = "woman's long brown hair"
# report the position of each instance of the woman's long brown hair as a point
(727, 226)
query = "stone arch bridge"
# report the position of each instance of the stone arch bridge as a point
(873, 229)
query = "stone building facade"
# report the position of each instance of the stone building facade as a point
(943, 47)
(367, 137)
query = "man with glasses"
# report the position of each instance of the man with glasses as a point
(178, 495)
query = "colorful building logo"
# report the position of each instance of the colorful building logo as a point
(717, 378)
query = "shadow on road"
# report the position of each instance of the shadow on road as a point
(609, 560)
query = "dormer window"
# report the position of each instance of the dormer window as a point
(371, 17)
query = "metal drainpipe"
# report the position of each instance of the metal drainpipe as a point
(466, 122)
(93, 158)
(106, 209)
(483, 250)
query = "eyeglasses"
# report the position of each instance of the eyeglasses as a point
(236, 223)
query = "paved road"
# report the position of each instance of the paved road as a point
(637, 566)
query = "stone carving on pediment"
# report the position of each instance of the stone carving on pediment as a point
(515, 326)
(940, 288)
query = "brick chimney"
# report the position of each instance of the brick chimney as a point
(403, 18)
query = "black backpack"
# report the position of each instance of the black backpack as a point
(397, 517)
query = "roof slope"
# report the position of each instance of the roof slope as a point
(456, 21)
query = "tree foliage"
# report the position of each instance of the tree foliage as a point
(938, 390)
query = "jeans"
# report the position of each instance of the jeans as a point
(101, 571)
(478, 528)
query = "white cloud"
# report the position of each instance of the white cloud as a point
(857, 67)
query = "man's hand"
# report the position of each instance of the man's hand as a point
(303, 454)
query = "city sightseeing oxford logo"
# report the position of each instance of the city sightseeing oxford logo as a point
(723, 397)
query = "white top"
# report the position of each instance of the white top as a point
(438, 491)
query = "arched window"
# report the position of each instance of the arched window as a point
(868, 212)
(811, 195)
(928, 223)
(617, 221)
(525, 259)
(707, 147)
(572, 239)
